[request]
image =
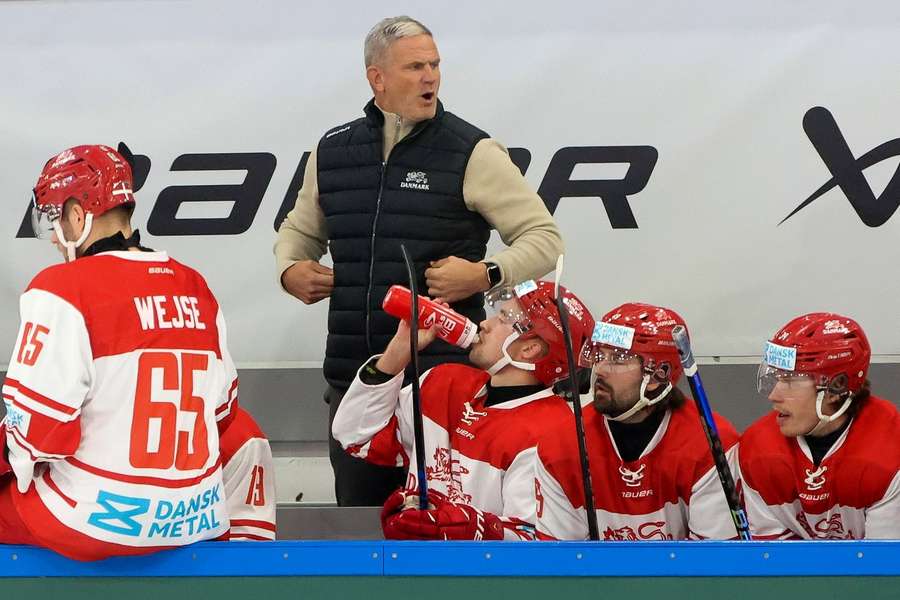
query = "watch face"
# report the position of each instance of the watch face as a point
(493, 272)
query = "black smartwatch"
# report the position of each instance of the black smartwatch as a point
(494, 274)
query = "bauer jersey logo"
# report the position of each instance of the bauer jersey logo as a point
(781, 357)
(416, 180)
(619, 336)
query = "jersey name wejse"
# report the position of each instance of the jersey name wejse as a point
(168, 312)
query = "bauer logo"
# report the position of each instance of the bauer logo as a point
(847, 170)
(781, 357)
(613, 335)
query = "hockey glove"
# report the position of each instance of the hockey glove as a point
(445, 521)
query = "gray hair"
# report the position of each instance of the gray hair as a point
(386, 32)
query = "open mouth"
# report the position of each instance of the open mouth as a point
(428, 96)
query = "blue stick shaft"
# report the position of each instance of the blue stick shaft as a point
(738, 515)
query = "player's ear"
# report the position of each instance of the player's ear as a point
(73, 213)
(532, 349)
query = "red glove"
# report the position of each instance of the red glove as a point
(444, 520)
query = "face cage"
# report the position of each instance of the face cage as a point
(615, 360)
(43, 218)
(505, 305)
(767, 377)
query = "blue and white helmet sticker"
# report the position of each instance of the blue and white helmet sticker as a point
(619, 336)
(525, 287)
(781, 357)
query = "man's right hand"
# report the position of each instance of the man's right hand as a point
(308, 280)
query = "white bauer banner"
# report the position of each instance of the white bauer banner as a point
(736, 162)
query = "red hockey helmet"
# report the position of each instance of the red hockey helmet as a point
(96, 176)
(642, 330)
(829, 348)
(530, 308)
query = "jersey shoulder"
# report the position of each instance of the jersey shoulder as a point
(766, 461)
(241, 429)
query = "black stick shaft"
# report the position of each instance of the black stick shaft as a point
(418, 428)
(593, 530)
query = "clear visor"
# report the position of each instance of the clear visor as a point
(611, 359)
(787, 382)
(42, 219)
(504, 304)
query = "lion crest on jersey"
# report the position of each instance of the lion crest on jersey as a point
(646, 531)
(448, 470)
(826, 528)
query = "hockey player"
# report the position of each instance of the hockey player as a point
(652, 472)
(480, 424)
(249, 475)
(118, 382)
(824, 463)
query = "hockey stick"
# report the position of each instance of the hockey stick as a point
(593, 531)
(418, 428)
(679, 335)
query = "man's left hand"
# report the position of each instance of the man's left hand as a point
(452, 279)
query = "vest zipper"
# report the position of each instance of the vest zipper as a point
(372, 260)
(415, 132)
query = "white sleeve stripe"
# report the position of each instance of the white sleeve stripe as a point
(225, 410)
(253, 531)
(30, 404)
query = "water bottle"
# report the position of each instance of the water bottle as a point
(452, 327)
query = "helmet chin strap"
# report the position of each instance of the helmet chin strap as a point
(506, 359)
(643, 401)
(71, 246)
(826, 419)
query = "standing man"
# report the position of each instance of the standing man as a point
(118, 385)
(652, 471)
(825, 463)
(407, 172)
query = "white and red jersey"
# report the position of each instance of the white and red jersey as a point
(671, 492)
(249, 474)
(116, 385)
(477, 455)
(853, 493)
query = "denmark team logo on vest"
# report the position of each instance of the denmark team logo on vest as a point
(416, 180)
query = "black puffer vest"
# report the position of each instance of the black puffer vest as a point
(371, 207)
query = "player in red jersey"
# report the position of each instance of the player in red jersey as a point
(824, 463)
(119, 381)
(480, 423)
(652, 472)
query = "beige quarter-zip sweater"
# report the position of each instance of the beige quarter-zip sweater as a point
(492, 187)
